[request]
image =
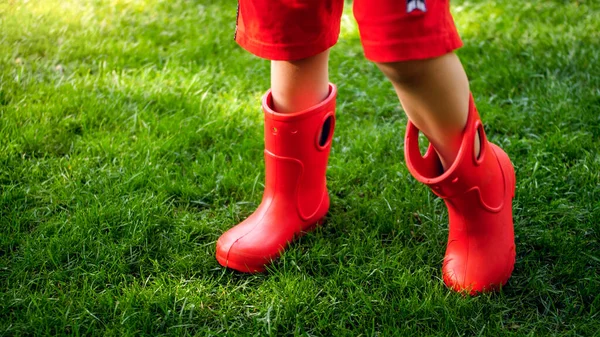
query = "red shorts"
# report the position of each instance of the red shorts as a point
(390, 30)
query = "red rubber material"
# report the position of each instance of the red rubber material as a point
(295, 198)
(478, 193)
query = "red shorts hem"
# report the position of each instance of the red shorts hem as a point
(285, 52)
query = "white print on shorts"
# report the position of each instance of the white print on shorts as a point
(412, 5)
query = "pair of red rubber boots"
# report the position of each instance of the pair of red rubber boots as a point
(477, 190)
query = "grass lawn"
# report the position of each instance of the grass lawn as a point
(131, 138)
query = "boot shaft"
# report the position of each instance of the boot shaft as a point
(297, 148)
(469, 172)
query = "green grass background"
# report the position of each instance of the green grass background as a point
(131, 138)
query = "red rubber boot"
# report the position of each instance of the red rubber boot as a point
(295, 198)
(478, 193)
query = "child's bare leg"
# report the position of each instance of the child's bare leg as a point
(301, 84)
(299, 113)
(435, 95)
(478, 189)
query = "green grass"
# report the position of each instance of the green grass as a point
(131, 138)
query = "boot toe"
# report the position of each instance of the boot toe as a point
(231, 254)
(248, 249)
(480, 274)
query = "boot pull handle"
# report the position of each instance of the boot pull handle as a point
(483, 144)
(324, 134)
(429, 166)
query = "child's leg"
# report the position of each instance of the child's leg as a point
(299, 112)
(478, 181)
(435, 95)
(298, 85)
(299, 121)
(413, 46)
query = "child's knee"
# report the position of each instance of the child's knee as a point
(405, 72)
